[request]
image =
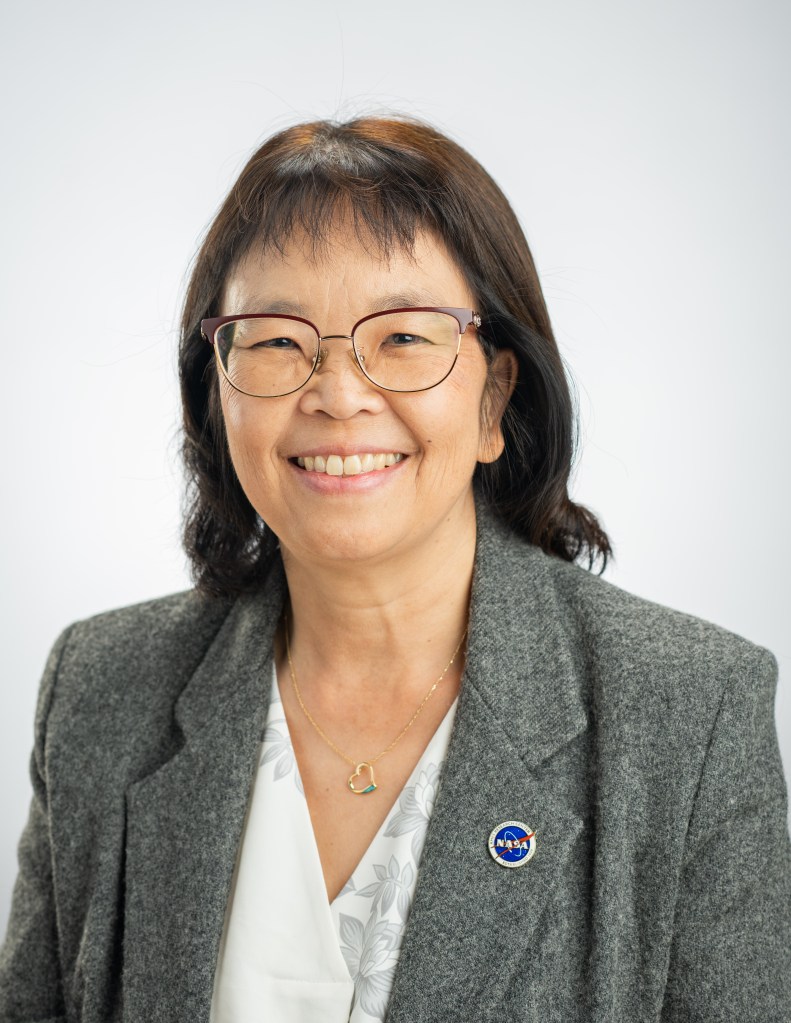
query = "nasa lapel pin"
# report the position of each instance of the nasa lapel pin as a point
(512, 844)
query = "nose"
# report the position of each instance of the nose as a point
(324, 351)
(335, 388)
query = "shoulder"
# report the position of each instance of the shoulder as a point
(629, 649)
(654, 664)
(131, 663)
(154, 633)
(613, 619)
(155, 629)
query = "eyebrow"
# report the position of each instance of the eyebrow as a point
(402, 299)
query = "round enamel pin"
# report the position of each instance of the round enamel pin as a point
(512, 844)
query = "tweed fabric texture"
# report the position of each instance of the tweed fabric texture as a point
(638, 742)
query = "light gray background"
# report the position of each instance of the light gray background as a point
(645, 146)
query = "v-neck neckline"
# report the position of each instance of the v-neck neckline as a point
(444, 725)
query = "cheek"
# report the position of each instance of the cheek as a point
(449, 421)
(466, 395)
(236, 412)
(234, 416)
(249, 430)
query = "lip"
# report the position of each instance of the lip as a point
(321, 483)
(344, 450)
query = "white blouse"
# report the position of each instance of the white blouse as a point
(286, 953)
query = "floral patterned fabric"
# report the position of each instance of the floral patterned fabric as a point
(286, 953)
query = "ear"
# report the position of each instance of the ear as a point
(500, 383)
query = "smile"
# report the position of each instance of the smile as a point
(350, 465)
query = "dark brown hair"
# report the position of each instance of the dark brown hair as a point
(394, 177)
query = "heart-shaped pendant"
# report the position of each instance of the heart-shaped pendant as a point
(358, 772)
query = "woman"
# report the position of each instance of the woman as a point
(396, 755)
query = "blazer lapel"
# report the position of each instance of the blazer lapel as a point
(184, 821)
(472, 920)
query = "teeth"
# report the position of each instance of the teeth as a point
(351, 465)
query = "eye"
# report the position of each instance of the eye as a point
(404, 340)
(279, 343)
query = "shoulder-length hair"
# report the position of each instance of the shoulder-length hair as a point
(395, 177)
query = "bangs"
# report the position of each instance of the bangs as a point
(331, 179)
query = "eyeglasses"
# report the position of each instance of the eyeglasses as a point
(268, 356)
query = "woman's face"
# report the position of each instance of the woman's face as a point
(437, 434)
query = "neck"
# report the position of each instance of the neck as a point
(385, 627)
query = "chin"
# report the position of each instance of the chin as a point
(350, 543)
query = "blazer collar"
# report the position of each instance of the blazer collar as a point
(184, 821)
(523, 656)
(520, 703)
(473, 922)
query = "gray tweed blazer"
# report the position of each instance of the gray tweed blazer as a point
(638, 742)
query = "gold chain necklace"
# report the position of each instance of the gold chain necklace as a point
(364, 766)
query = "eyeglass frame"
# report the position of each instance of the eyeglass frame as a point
(464, 317)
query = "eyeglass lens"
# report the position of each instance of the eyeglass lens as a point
(409, 350)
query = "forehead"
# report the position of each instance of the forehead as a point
(348, 272)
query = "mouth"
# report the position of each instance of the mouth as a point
(348, 465)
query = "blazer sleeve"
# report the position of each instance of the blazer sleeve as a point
(731, 949)
(30, 980)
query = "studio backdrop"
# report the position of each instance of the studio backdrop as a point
(647, 151)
